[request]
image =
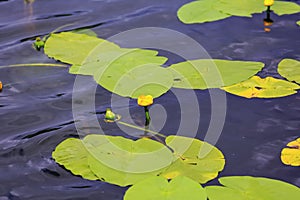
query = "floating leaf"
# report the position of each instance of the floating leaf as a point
(73, 155)
(113, 159)
(298, 22)
(285, 8)
(74, 48)
(263, 88)
(246, 188)
(290, 69)
(291, 154)
(244, 8)
(132, 72)
(206, 10)
(196, 159)
(200, 11)
(159, 188)
(205, 73)
(125, 162)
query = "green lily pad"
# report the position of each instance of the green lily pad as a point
(74, 48)
(132, 73)
(206, 10)
(205, 73)
(200, 12)
(268, 87)
(196, 159)
(285, 8)
(159, 188)
(290, 69)
(124, 162)
(246, 188)
(244, 8)
(113, 159)
(73, 155)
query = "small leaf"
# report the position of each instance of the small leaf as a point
(291, 154)
(246, 188)
(205, 73)
(196, 159)
(298, 22)
(263, 88)
(159, 188)
(290, 69)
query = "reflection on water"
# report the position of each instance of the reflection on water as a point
(268, 21)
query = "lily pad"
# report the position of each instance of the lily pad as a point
(205, 73)
(113, 159)
(243, 8)
(196, 159)
(285, 8)
(131, 73)
(125, 162)
(268, 87)
(206, 11)
(73, 155)
(246, 188)
(159, 188)
(290, 69)
(291, 154)
(200, 12)
(74, 48)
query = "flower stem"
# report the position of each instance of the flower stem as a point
(140, 128)
(147, 122)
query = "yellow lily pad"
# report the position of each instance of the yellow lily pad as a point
(268, 87)
(291, 154)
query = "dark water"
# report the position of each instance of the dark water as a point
(36, 106)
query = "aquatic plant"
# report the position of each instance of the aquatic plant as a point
(268, 87)
(201, 11)
(290, 155)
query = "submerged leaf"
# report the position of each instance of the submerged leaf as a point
(196, 159)
(290, 69)
(291, 154)
(268, 87)
(206, 73)
(159, 188)
(246, 188)
(200, 11)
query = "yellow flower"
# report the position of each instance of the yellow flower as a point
(145, 100)
(269, 2)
